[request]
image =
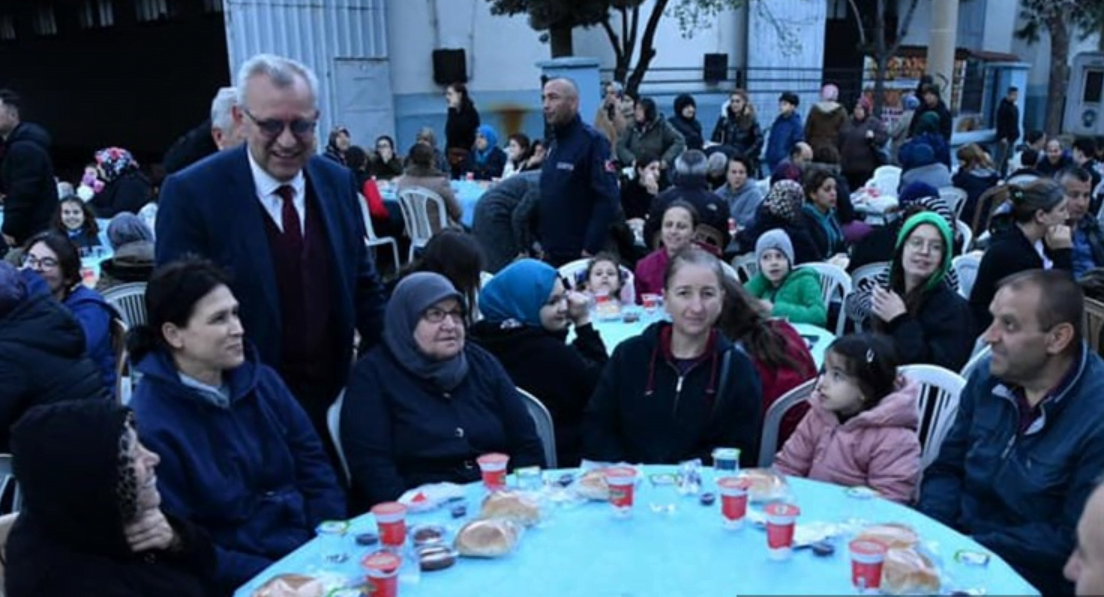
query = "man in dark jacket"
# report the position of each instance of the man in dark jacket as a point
(26, 174)
(1008, 128)
(932, 102)
(504, 219)
(579, 195)
(1083, 153)
(1088, 244)
(42, 357)
(1026, 447)
(691, 186)
(215, 134)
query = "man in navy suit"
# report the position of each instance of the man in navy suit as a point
(286, 224)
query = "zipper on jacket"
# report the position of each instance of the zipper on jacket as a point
(1008, 446)
(678, 394)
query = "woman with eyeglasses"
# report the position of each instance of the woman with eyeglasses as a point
(385, 164)
(915, 302)
(424, 404)
(54, 257)
(239, 456)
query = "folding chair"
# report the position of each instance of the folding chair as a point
(420, 228)
(333, 423)
(545, 428)
(966, 267)
(835, 285)
(130, 301)
(371, 239)
(939, 394)
(772, 422)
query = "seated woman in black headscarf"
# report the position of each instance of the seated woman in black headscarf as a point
(424, 404)
(91, 522)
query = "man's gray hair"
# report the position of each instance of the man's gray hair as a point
(222, 117)
(281, 70)
(691, 163)
(717, 165)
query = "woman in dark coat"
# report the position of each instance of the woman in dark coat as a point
(526, 312)
(125, 187)
(91, 522)
(738, 128)
(463, 120)
(424, 404)
(685, 121)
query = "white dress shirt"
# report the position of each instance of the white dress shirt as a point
(266, 186)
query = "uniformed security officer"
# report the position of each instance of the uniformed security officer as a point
(579, 195)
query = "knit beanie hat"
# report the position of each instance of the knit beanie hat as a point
(911, 102)
(944, 229)
(784, 200)
(127, 228)
(774, 239)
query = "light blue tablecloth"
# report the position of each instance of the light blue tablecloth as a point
(615, 332)
(468, 193)
(582, 550)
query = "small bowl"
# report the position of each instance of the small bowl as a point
(427, 534)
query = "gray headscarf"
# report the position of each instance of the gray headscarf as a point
(127, 228)
(413, 295)
(12, 288)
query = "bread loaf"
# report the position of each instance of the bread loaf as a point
(290, 585)
(511, 506)
(487, 538)
(592, 486)
(892, 535)
(766, 484)
(909, 572)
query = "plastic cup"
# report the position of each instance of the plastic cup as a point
(867, 557)
(651, 302)
(382, 568)
(622, 489)
(781, 519)
(726, 461)
(391, 520)
(493, 468)
(88, 277)
(471, 176)
(734, 501)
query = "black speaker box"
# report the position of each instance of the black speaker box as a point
(715, 68)
(450, 66)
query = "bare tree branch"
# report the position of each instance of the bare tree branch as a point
(858, 22)
(905, 22)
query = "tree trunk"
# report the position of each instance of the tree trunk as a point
(1059, 73)
(881, 59)
(647, 48)
(562, 42)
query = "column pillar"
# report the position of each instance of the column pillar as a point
(942, 40)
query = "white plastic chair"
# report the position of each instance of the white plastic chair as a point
(415, 202)
(571, 271)
(730, 271)
(886, 179)
(939, 392)
(868, 271)
(130, 301)
(954, 197)
(8, 485)
(333, 423)
(545, 429)
(835, 285)
(888, 170)
(746, 266)
(772, 422)
(371, 239)
(966, 267)
(967, 235)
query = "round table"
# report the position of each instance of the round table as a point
(614, 332)
(468, 193)
(582, 549)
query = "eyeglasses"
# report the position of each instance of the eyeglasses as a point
(273, 127)
(36, 263)
(919, 244)
(435, 315)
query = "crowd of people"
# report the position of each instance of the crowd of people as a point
(265, 310)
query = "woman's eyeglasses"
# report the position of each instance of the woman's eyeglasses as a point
(36, 263)
(435, 315)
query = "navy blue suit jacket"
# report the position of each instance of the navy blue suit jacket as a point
(211, 209)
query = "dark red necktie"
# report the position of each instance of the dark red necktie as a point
(292, 230)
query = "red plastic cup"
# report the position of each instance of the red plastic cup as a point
(651, 302)
(781, 519)
(734, 500)
(383, 573)
(391, 520)
(471, 175)
(493, 468)
(622, 489)
(867, 557)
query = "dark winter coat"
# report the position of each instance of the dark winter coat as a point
(505, 218)
(946, 121)
(824, 123)
(858, 153)
(784, 134)
(691, 130)
(129, 193)
(191, 147)
(805, 248)
(975, 182)
(743, 135)
(561, 376)
(69, 538)
(712, 210)
(657, 137)
(1008, 121)
(27, 177)
(460, 127)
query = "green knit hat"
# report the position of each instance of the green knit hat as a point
(928, 217)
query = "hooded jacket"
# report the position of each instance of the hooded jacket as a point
(42, 358)
(785, 132)
(27, 176)
(251, 472)
(690, 129)
(824, 123)
(743, 202)
(877, 448)
(69, 537)
(798, 299)
(95, 315)
(645, 411)
(657, 136)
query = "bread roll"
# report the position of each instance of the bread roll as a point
(909, 572)
(891, 535)
(488, 538)
(593, 486)
(290, 585)
(766, 484)
(511, 506)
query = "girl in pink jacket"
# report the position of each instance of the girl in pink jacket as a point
(861, 428)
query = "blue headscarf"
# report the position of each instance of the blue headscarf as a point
(491, 136)
(518, 292)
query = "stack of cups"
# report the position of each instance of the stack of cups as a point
(391, 520)
(734, 500)
(382, 568)
(493, 468)
(867, 558)
(781, 519)
(622, 487)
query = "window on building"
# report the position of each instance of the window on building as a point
(106, 12)
(152, 10)
(44, 22)
(7, 27)
(1094, 87)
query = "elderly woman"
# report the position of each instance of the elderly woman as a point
(526, 313)
(424, 404)
(125, 187)
(92, 522)
(422, 172)
(55, 258)
(239, 455)
(132, 241)
(338, 144)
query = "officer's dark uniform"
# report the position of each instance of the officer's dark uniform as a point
(579, 194)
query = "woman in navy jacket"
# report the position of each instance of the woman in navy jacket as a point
(423, 405)
(239, 457)
(679, 389)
